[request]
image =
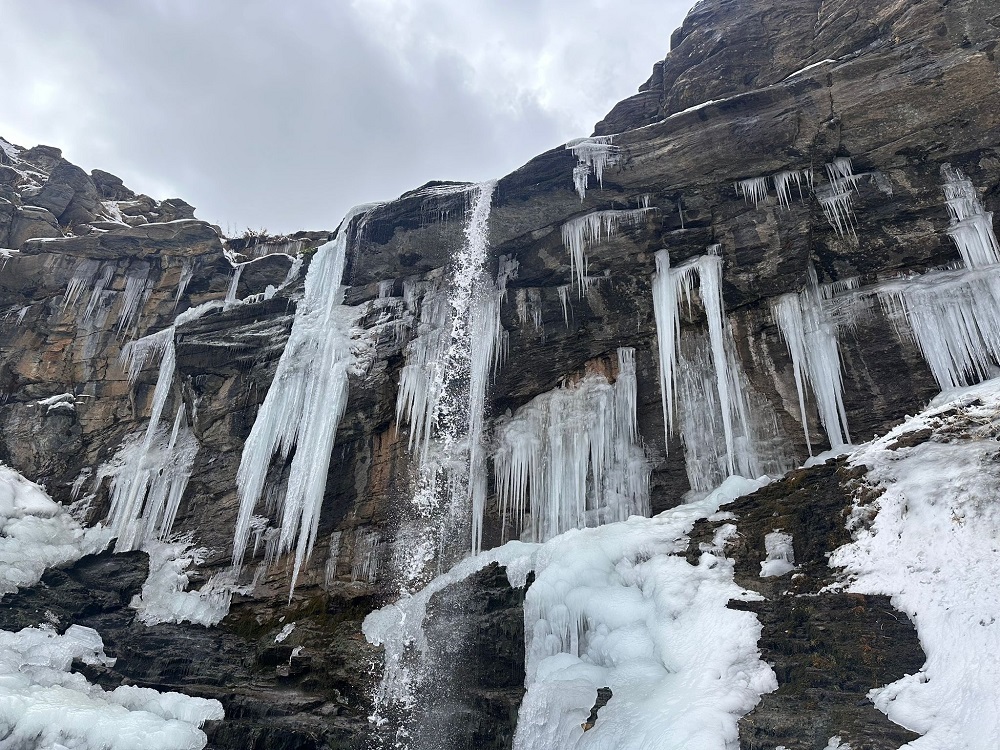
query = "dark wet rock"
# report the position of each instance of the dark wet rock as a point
(828, 648)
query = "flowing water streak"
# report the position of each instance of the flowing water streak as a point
(443, 392)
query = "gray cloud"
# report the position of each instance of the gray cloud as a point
(282, 115)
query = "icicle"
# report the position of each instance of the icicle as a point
(955, 319)
(809, 328)
(97, 294)
(365, 564)
(137, 291)
(753, 190)
(784, 180)
(82, 277)
(149, 475)
(234, 284)
(839, 211)
(588, 230)
(187, 272)
(594, 156)
(726, 394)
(836, 201)
(568, 441)
(564, 301)
(971, 226)
(303, 407)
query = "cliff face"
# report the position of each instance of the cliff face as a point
(901, 88)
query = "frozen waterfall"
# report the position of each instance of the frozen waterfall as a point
(572, 456)
(303, 407)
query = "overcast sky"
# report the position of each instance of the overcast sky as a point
(282, 114)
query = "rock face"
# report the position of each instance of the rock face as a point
(901, 87)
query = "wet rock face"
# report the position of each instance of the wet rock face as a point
(827, 648)
(911, 87)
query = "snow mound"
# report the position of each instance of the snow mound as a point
(45, 705)
(36, 533)
(930, 540)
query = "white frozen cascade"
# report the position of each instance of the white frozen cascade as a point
(303, 406)
(723, 432)
(593, 155)
(44, 704)
(809, 321)
(150, 471)
(617, 606)
(591, 229)
(954, 315)
(37, 533)
(572, 457)
(443, 386)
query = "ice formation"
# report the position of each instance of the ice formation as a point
(783, 182)
(137, 290)
(187, 273)
(36, 533)
(43, 704)
(954, 315)
(588, 230)
(780, 555)
(725, 397)
(971, 226)
(303, 406)
(82, 278)
(836, 198)
(150, 472)
(572, 456)
(753, 190)
(563, 292)
(594, 155)
(164, 596)
(620, 607)
(808, 323)
(930, 542)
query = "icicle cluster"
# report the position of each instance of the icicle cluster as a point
(588, 230)
(703, 388)
(971, 226)
(150, 473)
(810, 328)
(594, 155)
(836, 200)
(303, 407)
(954, 315)
(572, 457)
(754, 190)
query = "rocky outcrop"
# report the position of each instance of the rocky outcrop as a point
(901, 87)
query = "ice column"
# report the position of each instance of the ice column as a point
(705, 394)
(303, 406)
(810, 330)
(573, 457)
